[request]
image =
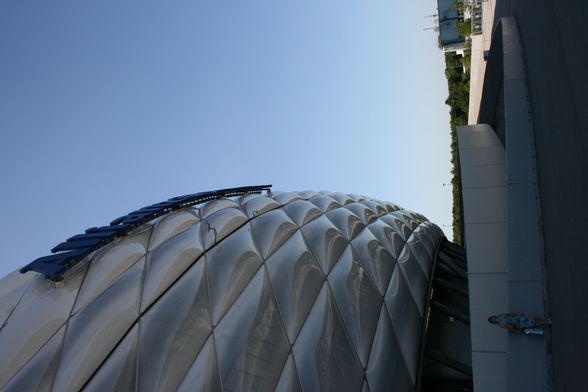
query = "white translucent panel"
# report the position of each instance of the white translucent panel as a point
(15, 280)
(421, 217)
(97, 329)
(220, 224)
(119, 371)
(406, 321)
(376, 207)
(37, 375)
(203, 374)
(427, 239)
(346, 221)
(296, 279)
(415, 277)
(289, 381)
(417, 218)
(386, 235)
(325, 241)
(271, 230)
(229, 267)
(30, 327)
(358, 301)
(247, 197)
(169, 261)
(9, 300)
(286, 197)
(371, 204)
(324, 353)
(419, 251)
(302, 212)
(251, 342)
(173, 331)
(308, 194)
(259, 205)
(364, 213)
(325, 203)
(213, 206)
(108, 265)
(35, 288)
(392, 207)
(170, 225)
(341, 198)
(356, 198)
(386, 366)
(406, 218)
(398, 225)
(378, 262)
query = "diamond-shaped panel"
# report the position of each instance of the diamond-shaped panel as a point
(216, 205)
(406, 320)
(96, 329)
(119, 372)
(33, 325)
(166, 263)
(289, 381)
(37, 375)
(12, 294)
(386, 235)
(220, 224)
(109, 264)
(203, 374)
(324, 353)
(173, 331)
(375, 258)
(358, 300)
(413, 273)
(308, 194)
(302, 211)
(258, 205)
(296, 279)
(398, 225)
(271, 230)
(251, 340)
(364, 213)
(346, 221)
(229, 268)
(325, 203)
(286, 197)
(171, 225)
(325, 241)
(341, 198)
(386, 366)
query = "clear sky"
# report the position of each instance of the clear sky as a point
(108, 106)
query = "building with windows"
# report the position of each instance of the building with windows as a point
(448, 16)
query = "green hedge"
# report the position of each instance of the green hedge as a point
(458, 81)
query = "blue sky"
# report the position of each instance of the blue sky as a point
(108, 106)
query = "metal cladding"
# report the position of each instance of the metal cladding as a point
(285, 291)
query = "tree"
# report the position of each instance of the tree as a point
(464, 29)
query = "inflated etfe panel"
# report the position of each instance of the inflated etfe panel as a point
(285, 291)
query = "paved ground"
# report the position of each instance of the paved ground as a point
(554, 34)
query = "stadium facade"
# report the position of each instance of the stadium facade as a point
(234, 290)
